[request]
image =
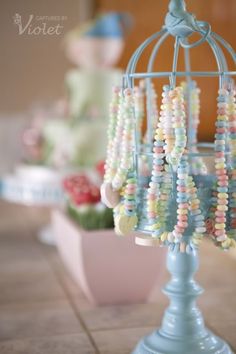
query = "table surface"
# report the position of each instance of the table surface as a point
(42, 311)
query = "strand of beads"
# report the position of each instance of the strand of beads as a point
(179, 121)
(153, 193)
(159, 228)
(221, 172)
(232, 163)
(166, 116)
(109, 195)
(151, 111)
(154, 108)
(195, 211)
(111, 133)
(162, 206)
(179, 160)
(192, 93)
(139, 108)
(182, 199)
(172, 110)
(125, 218)
(126, 141)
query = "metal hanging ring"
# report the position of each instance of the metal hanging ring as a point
(201, 40)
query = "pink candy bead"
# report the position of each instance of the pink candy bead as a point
(223, 201)
(223, 184)
(157, 149)
(223, 178)
(158, 168)
(222, 111)
(220, 213)
(183, 205)
(221, 220)
(179, 230)
(182, 217)
(220, 154)
(221, 130)
(219, 232)
(181, 189)
(221, 171)
(182, 224)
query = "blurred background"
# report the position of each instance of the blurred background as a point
(33, 67)
(51, 74)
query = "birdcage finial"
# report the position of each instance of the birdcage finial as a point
(180, 22)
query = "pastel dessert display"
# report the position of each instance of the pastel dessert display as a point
(58, 138)
(95, 48)
(98, 43)
(161, 183)
(33, 185)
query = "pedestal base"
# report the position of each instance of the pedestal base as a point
(183, 329)
(159, 343)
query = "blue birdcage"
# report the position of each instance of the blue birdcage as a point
(164, 185)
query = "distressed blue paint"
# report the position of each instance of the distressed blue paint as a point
(183, 330)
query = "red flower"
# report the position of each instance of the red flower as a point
(74, 182)
(81, 190)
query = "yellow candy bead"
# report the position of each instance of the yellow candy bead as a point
(226, 243)
(222, 195)
(222, 117)
(151, 203)
(122, 208)
(159, 136)
(182, 211)
(233, 243)
(152, 209)
(164, 236)
(220, 226)
(197, 235)
(222, 207)
(196, 241)
(194, 207)
(220, 165)
(155, 226)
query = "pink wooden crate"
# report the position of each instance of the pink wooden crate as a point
(109, 269)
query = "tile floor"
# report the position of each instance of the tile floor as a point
(42, 311)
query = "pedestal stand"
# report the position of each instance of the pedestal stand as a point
(183, 330)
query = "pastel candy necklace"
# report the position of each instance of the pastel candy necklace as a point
(110, 196)
(171, 133)
(232, 161)
(192, 95)
(126, 143)
(221, 167)
(172, 169)
(117, 191)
